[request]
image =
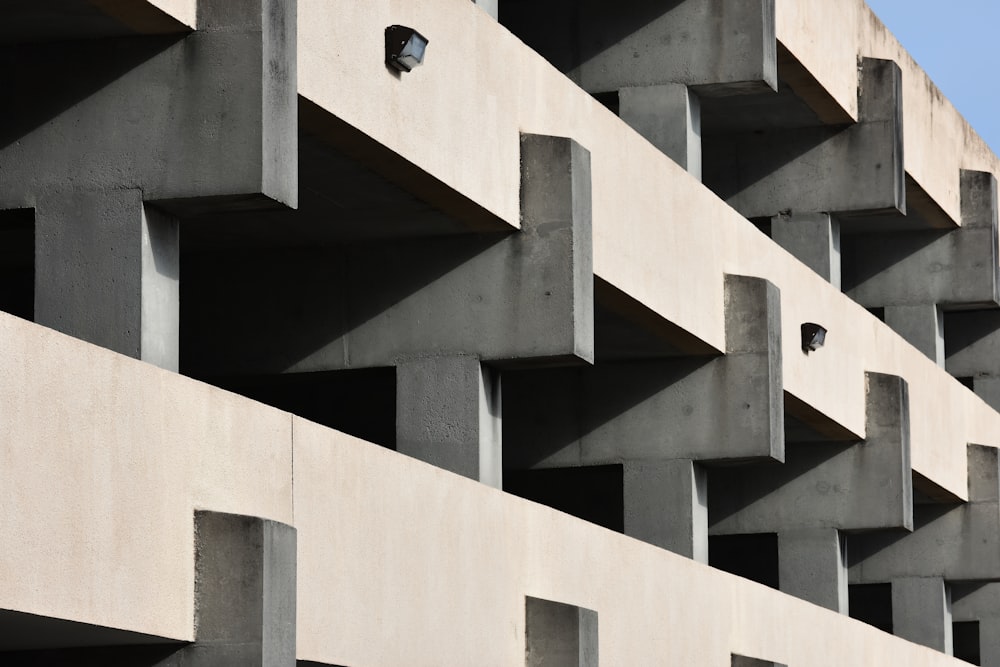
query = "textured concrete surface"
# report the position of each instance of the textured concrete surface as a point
(560, 635)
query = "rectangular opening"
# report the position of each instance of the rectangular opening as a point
(965, 636)
(753, 557)
(17, 262)
(594, 493)
(359, 402)
(872, 604)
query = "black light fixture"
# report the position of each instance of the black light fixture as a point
(813, 337)
(404, 47)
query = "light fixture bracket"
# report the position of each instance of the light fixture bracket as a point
(404, 48)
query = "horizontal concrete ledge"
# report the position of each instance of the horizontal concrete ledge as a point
(316, 121)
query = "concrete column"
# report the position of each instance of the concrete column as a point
(922, 326)
(560, 635)
(666, 504)
(989, 642)
(448, 413)
(987, 387)
(245, 568)
(811, 566)
(921, 611)
(491, 7)
(107, 271)
(669, 116)
(814, 239)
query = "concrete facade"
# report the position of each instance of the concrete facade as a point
(496, 361)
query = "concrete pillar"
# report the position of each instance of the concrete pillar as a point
(448, 413)
(245, 568)
(669, 116)
(989, 642)
(666, 504)
(921, 612)
(491, 7)
(812, 566)
(560, 635)
(813, 238)
(106, 270)
(922, 326)
(987, 387)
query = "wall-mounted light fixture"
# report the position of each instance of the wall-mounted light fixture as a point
(404, 47)
(813, 337)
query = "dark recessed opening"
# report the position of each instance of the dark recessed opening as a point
(965, 635)
(878, 312)
(753, 557)
(968, 381)
(359, 402)
(17, 262)
(612, 100)
(593, 493)
(872, 603)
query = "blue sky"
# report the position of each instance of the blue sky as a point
(956, 42)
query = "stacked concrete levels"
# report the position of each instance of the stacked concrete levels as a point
(505, 360)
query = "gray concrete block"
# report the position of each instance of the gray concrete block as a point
(107, 270)
(949, 268)
(812, 566)
(211, 116)
(521, 298)
(972, 343)
(491, 7)
(864, 486)
(814, 239)
(847, 170)
(922, 326)
(448, 413)
(666, 504)
(715, 45)
(669, 116)
(560, 635)
(954, 541)
(921, 612)
(723, 408)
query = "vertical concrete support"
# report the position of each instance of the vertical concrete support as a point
(491, 7)
(106, 271)
(245, 613)
(448, 413)
(812, 566)
(922, 326)
(669, 116)
(560, 635)
(814, 239)
(921, 612)
(666, 504)
(989, 642)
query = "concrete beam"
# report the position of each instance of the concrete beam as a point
(560, 635)
(520, 298)
(130, 121)
(850, 487)
(723, 408)
(844, 170)
(957, 268)
(956, 542)
(814, 239)
(448, 413)
(669, 116)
